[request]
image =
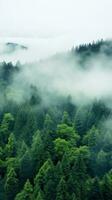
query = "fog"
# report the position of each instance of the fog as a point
(38, 48)
(62, 75)
(86, 20)
(49, 65)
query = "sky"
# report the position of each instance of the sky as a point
(64, 22)
(50, 26)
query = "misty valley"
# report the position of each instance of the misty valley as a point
(56, 125)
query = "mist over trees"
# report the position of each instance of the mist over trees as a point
(53, 145)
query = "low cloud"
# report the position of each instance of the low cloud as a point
(62, 75)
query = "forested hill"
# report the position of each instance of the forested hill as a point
(53, 144)
(101, 46)
(85, 52)
(11, 47)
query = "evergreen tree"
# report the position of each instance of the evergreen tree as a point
(74, 196)
(68, 133)
(95, 192)
(61, 146)
(26, 166)
(80, 123)
(26, 193)
(107, 187)
(48, 123)
(11, 184)
(25, 124)
(62, 190)
(92, 139)
(43, 176)
(66, 119)
(10, 148)
(66, 165)
(39, 196)
(6, 128)
(37, 151)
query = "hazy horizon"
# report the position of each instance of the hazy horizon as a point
(83, 21)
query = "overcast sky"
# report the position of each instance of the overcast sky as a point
(71, 21)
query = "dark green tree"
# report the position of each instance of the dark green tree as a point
(42, 178)
(6, 128)
(26, 167)
(37, 151)
(48, 123)
(106, 187)
(66, 119)
(95, 192)
(10, 148)
(11, 184)
(62, 190)
(26, 193)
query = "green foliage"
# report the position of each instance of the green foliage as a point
(95, 192)
(68, 133)
(25, 125)
(66, 118)
(10, 148)
(11, 184)
(53, 150)
(38, 153)
(62, 190)
(48, 123)
(6, 127)
(45, 173)
(101, 162)
(26, 193)
(106, 186)
(61, 146)
(26, 166)
(81, 120)
(92, 138)
(39, 196)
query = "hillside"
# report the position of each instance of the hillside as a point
(56, 126)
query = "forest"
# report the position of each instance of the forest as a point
(54, 146)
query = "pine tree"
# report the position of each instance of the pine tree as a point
(26, 193)
(11, 184)
(37, 151)
(66, 119)
(58, 173)
(25, 124)
(95, 192)
(6, 128)
(61, 146)
(10, 148)
(80, 123)
(66, 165)
(74, 196)
(26, 166)
(107, 187)
(92, 138)
(48, 123)
(68, 133)
(43, 176)
(62, 190)
(79, 175)
(39, 196)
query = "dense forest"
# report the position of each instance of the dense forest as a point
(59, 150)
